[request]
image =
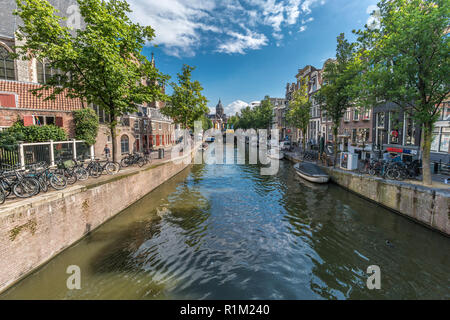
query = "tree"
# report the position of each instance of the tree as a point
(337, 91)
(264, 114)
(206, 122)
(259, 117)
(407, 62)
(100, 64)
(187, 104)
(233, 121)
(86, 125)
(299, 110)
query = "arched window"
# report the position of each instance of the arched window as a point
(124, 144)
(7, 70)
(45, 72)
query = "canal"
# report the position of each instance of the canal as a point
(226, 232)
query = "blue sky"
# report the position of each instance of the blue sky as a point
(246, 49)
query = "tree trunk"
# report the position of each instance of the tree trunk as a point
(335, 134)
(112, 129)
(427, 134)
(304, 139)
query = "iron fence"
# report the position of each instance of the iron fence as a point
(50, 152)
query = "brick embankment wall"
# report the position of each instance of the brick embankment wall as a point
(34, 230)
(428, 206)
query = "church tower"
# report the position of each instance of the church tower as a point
(219, 110)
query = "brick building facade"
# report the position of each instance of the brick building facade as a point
(145, 129)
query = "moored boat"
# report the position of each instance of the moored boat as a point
(275, 153)
(311, 172)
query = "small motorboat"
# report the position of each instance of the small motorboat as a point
(311, 172)
(275, 153)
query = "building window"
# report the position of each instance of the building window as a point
(366, 115)
(354, 136)
(355, 114)
(160, 126)
(7, 70)
(395, 127)
(441, 140)
(445, 113)
(445, 140)
(45, 72)
(347, 115)
(410, 131)
(363, 135)
(125, 144)
(380, 120)
(43, 120)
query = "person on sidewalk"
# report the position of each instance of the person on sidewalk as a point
(107, 151)
(321, 146)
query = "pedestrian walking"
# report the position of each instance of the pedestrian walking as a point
(107, 151)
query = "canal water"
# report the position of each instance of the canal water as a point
(226, 232)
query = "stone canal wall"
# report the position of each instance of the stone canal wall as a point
(34, 230)
(428, 206)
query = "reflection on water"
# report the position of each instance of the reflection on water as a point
(226, 232)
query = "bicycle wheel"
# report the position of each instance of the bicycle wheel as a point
(141, 162)
(43, 185)
(2, 196)
(81, 173)
(26, 187)
(112, 167)
(58, 181)
(124, 162)
(372, 171)
(392, 174)
(6, 188)
(95, 171)
(71, 177)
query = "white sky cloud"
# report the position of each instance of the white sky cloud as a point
(234, 107)
(374, 20)
(229, 26)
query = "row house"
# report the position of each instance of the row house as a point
(143, 130)
(394, 130)
(355, 131)
(279, 116)
(288, 132)
(17, 78)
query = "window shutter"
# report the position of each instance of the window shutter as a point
(7, 100)
(27, 121)
(59, 121)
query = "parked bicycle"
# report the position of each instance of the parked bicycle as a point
(135, 158)
(97, 167)
(15, 182)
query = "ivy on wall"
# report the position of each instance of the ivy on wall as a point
(86, 125)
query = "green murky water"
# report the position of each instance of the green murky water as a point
(226, 232)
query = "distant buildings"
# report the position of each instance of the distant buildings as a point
(219, 119)
(364, 130)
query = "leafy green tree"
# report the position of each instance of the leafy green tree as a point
(259, 117)
(100, 64)
(264, 114)
(406, 61)
(337, 92)
(186, 104)
(234, 120)
(206, 122)
(86, 125)
(299, 110)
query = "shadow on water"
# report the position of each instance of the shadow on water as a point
(226, 232)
